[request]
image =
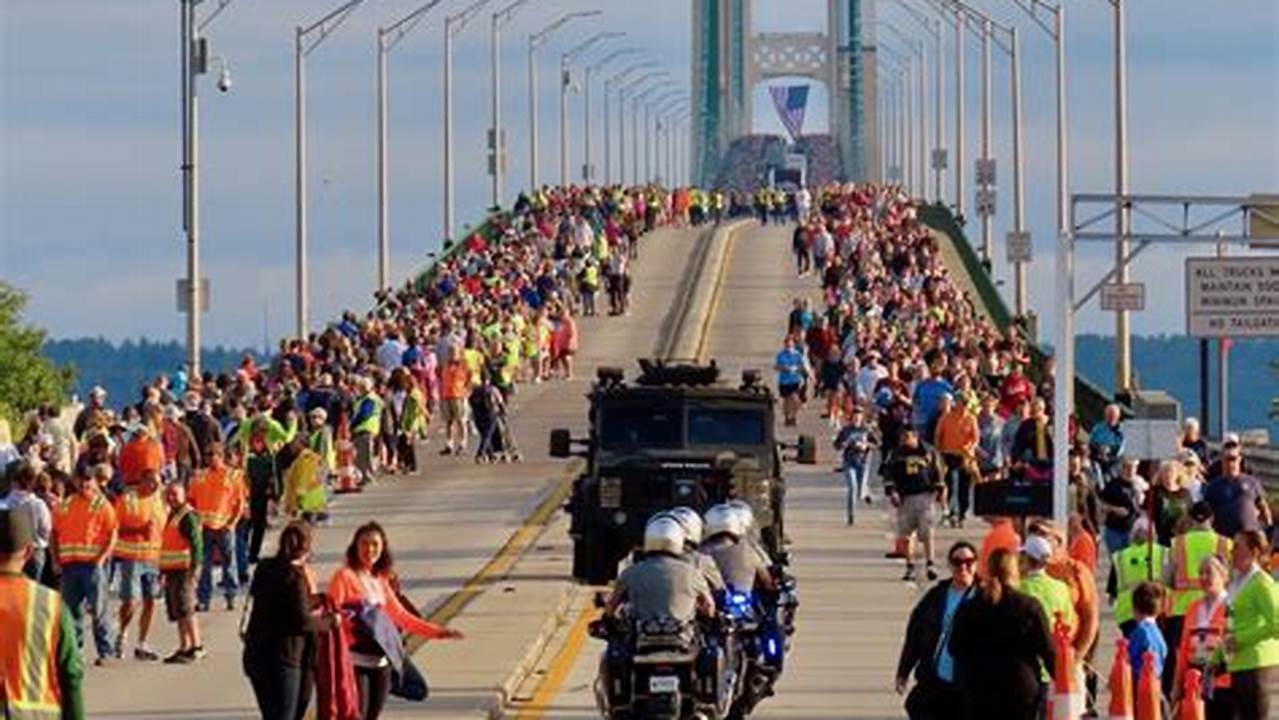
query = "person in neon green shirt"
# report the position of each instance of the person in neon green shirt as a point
(1251, 647)
(1053, 595)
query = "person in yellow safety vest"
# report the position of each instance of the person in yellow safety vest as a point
(305, 494)
(218, 495)
(1142, 561)
(181, 549)
(1053, 594)
(40, 666)
(366, 427)
(141, 513)
(1189, 549)
(84, 535)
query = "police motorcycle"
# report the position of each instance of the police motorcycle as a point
(762, 609)
(665, 667)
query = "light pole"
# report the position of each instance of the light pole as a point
(918, 65)
(497, 136)
(1123, 338)
(387, 39)
(663, 112)
(937, 160)
(195, 62)
(453, 25)
(566, 61)
(636, 175)
(325, 26)
(652, 131)
(535, 41)
(588, 166)
(635, 84)
(618, 77)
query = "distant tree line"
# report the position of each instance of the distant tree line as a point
(122, 369)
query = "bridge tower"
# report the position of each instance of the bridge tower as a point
(730, 60)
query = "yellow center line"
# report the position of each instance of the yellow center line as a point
(549, 687)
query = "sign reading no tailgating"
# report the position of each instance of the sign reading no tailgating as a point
(1232, 297)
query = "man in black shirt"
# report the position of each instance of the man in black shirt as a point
(913, 482)
(1118, 512)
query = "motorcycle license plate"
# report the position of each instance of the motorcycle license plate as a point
(663, 684)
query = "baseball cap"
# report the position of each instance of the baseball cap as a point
(1231, 439)
(1038, 548)
(15, 530)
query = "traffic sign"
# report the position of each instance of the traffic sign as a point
(940, 161)
(985, 171)
(986, 201)
(1019, 247)
(1123, 296)
(184, 295)
(1232, 297)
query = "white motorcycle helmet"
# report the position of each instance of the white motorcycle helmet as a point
(745, 513)
(663, 534)
(723, 519)
(690, 521)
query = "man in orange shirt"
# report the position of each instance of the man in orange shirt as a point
(141, 453)
(1083, 595)
(137, 555)
(84, 535)
(218, 497)
(455, 388)
(956, 439)
(1003, 534)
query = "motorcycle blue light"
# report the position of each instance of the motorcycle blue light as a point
(772, 647)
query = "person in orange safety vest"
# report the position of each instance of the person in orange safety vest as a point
(141, 513)
(84, 535)
(181, 550)
(40, 663)
(217, 494)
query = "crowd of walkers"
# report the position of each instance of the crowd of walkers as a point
(915, 380)
(156, 498)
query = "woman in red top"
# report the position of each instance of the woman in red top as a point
(365, 580)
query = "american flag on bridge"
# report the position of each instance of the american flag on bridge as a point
(791, 101)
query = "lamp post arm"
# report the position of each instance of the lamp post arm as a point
(399, 29)
(213, 14)
(504, 15)
(459, 20)
(328, 24)
(1032, 8)
(536, 39)
(613, 56)
(572, 54)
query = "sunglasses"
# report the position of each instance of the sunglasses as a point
(963, 561)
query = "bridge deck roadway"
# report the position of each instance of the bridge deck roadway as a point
(853, 605)
(445, 525)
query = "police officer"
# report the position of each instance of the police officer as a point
(739, 560)
(663, 584)
(692, 525)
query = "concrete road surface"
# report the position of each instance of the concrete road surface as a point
(447, 526)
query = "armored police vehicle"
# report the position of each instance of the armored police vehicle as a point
(674, 436)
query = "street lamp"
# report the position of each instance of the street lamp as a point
(387, 39)
(908, 61)
(453, 25)
(497, 136)
(325, 26)
(566, 60)
(588, 167)
(626, 90)
(652, 131)
(195, 62)
(535, 41)
(938, 159)
(920, 62)
(665, 114)
(619, 77)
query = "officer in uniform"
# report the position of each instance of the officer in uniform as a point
(663, 584)
(692, 524)
(741, 563)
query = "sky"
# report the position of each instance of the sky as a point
(90, 202)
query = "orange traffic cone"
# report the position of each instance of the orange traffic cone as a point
(1066, 703)
(1192, 702)
(1121, 683)
(1149, 696)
